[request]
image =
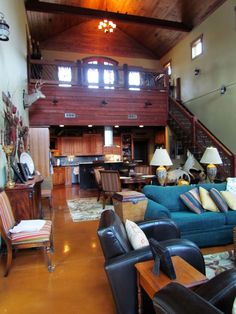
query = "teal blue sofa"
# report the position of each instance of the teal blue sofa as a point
(205, 229)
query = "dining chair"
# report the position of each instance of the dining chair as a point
(144, 169)
(24, 239)
(110, 182)
(97, 176)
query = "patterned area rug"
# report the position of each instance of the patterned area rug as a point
(216, 263)
(86, 209)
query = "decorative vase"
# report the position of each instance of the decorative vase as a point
(8, 150)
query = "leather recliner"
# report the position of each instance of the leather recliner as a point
(215, 296)
(120, 258)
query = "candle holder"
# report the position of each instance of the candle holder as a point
(8, 150)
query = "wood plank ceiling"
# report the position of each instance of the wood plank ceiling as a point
(148, 27)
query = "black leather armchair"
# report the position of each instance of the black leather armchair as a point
(215, 296)
(120, 258)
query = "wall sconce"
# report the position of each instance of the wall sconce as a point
(196, 71)
(104, 103)
(4, 28)
(223, 90)
(147, 104)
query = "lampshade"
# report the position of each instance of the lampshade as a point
(211, 156)
(161, 158)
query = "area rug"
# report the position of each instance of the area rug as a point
(86, 209)
(219, 262)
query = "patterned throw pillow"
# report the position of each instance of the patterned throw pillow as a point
(207, 201)
(135, 235)
(230, 199)
(231, 185)
(219, 200)
(192, 200)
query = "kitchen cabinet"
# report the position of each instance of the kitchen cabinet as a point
(68, 176)
(92, 144)
(58, 176)
(70, 146)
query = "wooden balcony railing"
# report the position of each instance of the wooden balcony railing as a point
(199, 137)
(47, 71)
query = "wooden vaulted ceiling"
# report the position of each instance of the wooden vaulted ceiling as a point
(156, 25)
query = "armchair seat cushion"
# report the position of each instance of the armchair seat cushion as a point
(188, 221)
(36, 236)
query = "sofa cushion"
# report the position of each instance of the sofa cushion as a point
(155, 210)
(219, 200)
(192, 200)
(207, 201)
(136, 235)
(188, 221)
(217, 186)
(231, 217)
(167, 196)
(230, 199)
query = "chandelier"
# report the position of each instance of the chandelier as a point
(107, 26)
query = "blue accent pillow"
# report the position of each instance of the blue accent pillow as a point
(191, 202)
(219, 200)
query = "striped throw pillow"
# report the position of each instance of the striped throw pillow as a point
(219, 200)
(192, 200)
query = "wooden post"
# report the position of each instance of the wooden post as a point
(126, 78)
(178, 89)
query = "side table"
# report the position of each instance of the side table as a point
(186, 275)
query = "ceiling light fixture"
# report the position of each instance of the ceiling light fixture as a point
(4, 28)
(107, 26)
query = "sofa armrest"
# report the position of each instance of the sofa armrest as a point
(160, 229)
(155, 210)
(122, 277)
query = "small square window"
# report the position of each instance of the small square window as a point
(197, 47)
(167, 66)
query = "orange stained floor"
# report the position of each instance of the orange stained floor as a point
(78, 285)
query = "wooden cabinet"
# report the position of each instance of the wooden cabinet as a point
(58, 176)
(25, 199)
(70, 146)
(92, 144)
(160, 138)
(62, 175)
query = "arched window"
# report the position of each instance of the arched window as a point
(101, 73)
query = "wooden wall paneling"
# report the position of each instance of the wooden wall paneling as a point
(86, 105)
(39, 149)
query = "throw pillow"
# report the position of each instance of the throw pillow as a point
(206, 200)
(231, 185)
(192, 200)
(135, 235)
(219, 200)
(230, 199)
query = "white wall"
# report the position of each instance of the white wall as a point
(13, 67)
(218, 67)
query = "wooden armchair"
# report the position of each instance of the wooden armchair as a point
(97, 176)
(25, 239)
(110, 181)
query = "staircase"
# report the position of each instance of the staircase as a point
(195, 137)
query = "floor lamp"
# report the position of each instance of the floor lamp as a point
(161, 159)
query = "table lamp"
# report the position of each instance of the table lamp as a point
(161, 158)
(211, 157)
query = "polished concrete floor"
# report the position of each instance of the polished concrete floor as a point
(77, 286)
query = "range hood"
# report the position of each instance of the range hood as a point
(108, 136)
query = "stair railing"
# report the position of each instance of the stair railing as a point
(184, 123)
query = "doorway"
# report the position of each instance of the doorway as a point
(141, 150)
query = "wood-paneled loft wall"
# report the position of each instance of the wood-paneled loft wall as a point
(99, 107)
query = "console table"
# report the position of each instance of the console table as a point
(25, 199)
(186, 275)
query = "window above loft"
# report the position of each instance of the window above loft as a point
(134, 80)
(64, 76)
(197, 47)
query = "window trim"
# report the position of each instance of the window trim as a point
(200, 37)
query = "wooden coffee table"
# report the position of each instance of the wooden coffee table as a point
(186, 275)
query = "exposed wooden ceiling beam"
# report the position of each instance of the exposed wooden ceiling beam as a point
(47, 7)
